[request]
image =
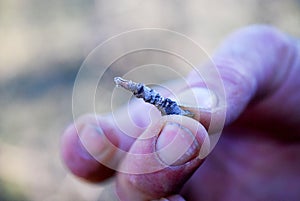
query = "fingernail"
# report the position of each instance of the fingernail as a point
(91, 137)
(202, 97)
(176, 145)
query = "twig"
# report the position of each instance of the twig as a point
(165, 105)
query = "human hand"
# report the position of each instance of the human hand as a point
(257, 157)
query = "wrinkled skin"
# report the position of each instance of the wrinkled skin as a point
(257, 156)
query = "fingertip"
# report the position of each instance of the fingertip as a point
(78, 160)
(156, 175)
(181, 140)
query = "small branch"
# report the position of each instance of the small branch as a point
(165, 105)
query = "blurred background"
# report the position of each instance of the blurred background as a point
(42, 46)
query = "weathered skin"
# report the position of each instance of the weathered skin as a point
(257, 157)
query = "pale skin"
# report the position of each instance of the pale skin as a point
(257, 156)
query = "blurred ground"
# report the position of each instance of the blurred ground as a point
(43, 44)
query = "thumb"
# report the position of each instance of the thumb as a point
(253, 63)
(162, 159)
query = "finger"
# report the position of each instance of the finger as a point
(92, 147)
(79, 144)
(159, 165)
(256, 63)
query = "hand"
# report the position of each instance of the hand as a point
(256, 158)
